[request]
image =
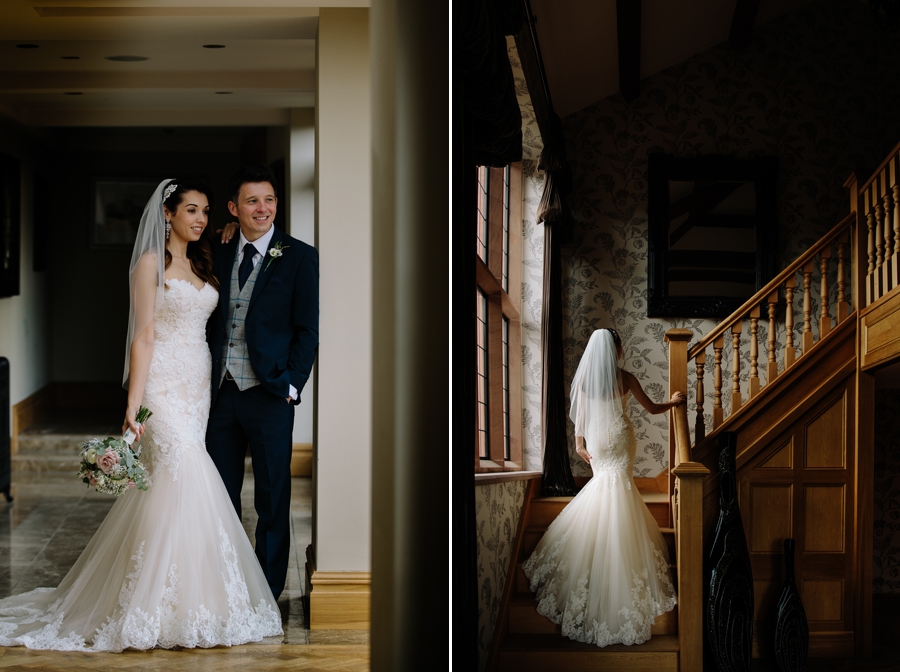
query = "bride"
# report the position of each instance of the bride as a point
(170, 566)
(601, 569)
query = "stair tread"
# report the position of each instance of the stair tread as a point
(556, 642)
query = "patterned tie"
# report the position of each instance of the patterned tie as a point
(246, 264)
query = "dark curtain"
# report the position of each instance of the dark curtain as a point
(489, 96)
(554, 212)
(487, 128)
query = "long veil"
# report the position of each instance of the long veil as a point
(148, 262)
(596, 392)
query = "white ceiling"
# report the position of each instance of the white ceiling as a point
(267, 66)
(580, 50)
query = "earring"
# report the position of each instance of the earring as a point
(168, 228)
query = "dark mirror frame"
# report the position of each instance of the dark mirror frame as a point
(662, 168)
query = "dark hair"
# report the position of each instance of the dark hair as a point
(616, 338)
(250, 172)
(200, 252)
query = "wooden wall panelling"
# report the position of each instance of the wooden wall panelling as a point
(863, 534)
(777, 406)
(879, 331)
(800, 485)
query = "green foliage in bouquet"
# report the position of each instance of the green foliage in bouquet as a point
(110, 466)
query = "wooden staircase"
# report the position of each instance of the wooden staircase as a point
(804, 419)
(535, 643)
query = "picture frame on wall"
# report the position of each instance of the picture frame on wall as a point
(117, 204)
(10, 224)
(712, 230)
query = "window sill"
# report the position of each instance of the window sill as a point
(505, 477)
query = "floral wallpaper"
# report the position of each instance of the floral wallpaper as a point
(886, 547)
(817, 88)
(532, 269)
(497, 510)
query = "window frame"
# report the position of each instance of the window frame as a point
(502, 304)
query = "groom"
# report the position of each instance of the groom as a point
(263, 337)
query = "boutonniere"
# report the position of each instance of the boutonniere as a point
(274, 252)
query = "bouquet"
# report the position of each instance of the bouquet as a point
(110, 465)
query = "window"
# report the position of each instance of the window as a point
(498, 305)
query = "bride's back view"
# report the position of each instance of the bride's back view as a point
(601, 569)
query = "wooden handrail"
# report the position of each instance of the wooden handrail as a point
(771, 286)
(877, 172)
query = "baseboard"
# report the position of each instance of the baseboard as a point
(30, 410)
(301, 459)
(337, 600)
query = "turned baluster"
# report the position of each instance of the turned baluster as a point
(718, 413)
(879, 244)
(772, 365)
(754, 352)
(843, 308)
(700, 424)
(895, 257)
(789, 353)
(870, 242)
(824, 313)
(888, 232)
(806, 334)
(736, 367)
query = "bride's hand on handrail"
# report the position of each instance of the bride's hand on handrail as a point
(677, 398)
(228, 232)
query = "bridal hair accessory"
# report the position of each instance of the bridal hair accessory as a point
(168, 192)
(276, 251)
(168, 228)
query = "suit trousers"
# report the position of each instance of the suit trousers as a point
(265, 422)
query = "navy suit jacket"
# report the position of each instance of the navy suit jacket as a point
(282, 320)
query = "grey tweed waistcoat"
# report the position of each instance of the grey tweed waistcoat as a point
(234, 350)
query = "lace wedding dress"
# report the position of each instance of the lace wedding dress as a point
(601, 569)
(170, 566)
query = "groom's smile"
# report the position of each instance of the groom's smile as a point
(255, 208)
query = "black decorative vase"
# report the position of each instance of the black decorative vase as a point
(791, 629)
(729, 607)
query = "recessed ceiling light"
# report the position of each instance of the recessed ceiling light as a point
(224, 93)
(70, 58)
(27, 46)
(73, 93)
(213, 46)
(127, 59)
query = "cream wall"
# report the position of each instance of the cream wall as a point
(300, 177)
(341, 506)
(24, 319)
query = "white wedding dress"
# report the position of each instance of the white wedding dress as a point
(170, 566)
(601, 569)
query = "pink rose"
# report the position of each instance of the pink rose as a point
(108, 460)
(93, 482)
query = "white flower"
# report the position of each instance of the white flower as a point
(275, 252)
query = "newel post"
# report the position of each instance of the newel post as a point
(677, 340)
(689, 557)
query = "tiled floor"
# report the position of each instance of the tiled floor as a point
(53, 516)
